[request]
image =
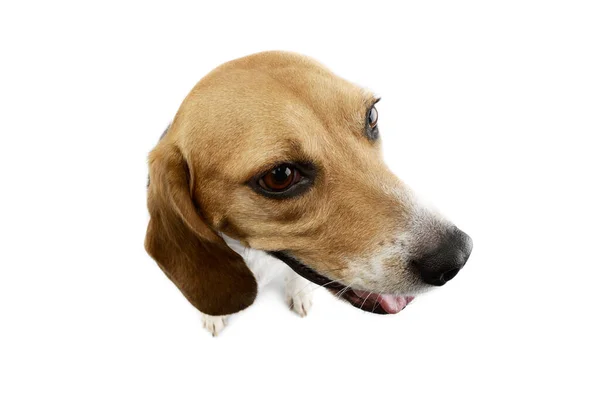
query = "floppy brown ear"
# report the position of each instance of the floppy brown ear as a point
(210, 275)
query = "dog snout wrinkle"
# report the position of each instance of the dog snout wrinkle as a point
(446, 260)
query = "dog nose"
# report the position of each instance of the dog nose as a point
(442, 264)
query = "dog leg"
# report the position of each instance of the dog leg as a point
(298, 293)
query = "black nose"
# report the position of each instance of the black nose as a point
(443, 263)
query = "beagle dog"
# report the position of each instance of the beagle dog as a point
(273, 165)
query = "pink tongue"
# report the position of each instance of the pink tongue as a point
(391, 304)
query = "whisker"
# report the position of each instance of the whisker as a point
(365, 300)
(314, 288)
(341, 292)
(339, 295)
(318, 286)
(376, 302)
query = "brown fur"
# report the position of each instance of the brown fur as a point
(244, 118)
(212, 277)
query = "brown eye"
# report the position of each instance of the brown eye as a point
(373, 117)
(284, 181)
(280, 178)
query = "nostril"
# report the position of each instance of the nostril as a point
(437, 276)
(447, 275)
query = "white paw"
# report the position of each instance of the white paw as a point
(298, 293)
(214, 324)
(300, 303)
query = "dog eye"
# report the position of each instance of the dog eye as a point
(373, 116)
(280, 178)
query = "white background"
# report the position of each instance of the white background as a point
(491, 110)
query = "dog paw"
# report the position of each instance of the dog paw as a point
(214, 323)
(298, 293)
(300, 303)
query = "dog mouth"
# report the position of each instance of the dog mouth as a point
(377, 303)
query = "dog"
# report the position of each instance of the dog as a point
(273, 165)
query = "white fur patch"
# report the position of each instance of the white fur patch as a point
(263, 266)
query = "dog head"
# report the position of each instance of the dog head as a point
(276, 151)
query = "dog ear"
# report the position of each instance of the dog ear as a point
(210, 275)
